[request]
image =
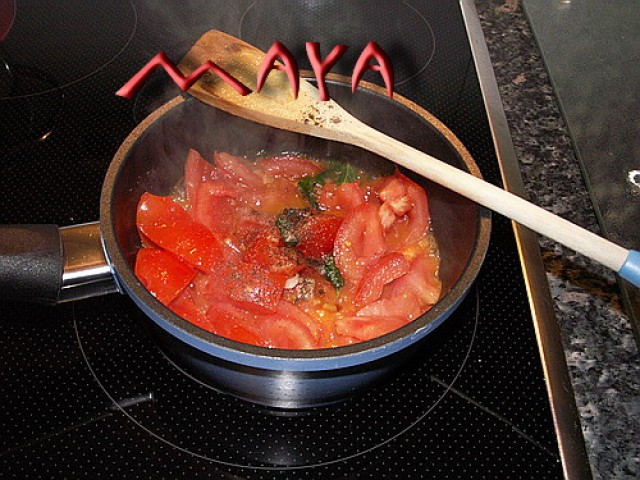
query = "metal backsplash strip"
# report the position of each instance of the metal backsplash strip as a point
(565, 415)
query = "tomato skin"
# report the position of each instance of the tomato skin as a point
(369, 327)
(421, 281)
(237, 170)
(359, 242)
(231, 322)
(404, 212)
(252, 287)
(170, 227)
(164, 275)
(196, 171)
(379, 273)
(341, 199)
(185, 307)
(404, 305)
(269, 252)
(316, 235)
(289, 166)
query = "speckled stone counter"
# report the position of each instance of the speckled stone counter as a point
(600, 347)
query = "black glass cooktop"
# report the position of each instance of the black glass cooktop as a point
(85, 391)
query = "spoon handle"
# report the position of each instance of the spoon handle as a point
(625, 262)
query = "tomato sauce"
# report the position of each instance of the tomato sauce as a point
(288, 252)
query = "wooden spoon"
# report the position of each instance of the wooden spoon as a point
(275, 106)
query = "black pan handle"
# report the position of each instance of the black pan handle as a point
(31, 263)
(47, 264)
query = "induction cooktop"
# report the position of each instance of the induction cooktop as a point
(86, 393)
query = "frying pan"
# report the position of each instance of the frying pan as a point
(47, 264)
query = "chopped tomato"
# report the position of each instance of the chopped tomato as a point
(381, 272)
(289, 253)
(359, 242)
(184, 306)
(237, 170)
(215, 206)
(164, 275)
(269, 252)
(403, 305)
(422, 281)
(281, 332)
(404, 212)
(231, 322)
(169, 226)
(252, 287)
(316, 235)
(366, 328)
(196, 171)
(289, 166)
(341, 198)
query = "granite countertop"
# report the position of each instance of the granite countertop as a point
(599, 343)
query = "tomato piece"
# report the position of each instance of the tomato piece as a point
(184, 306)
(311, 288)
(272, 198)
(164, 275)
(291, 312)
(289, 166)
(215, 207)
(341, 198)
(281, 332)
(196, 171)
(386, 269)
(359, 242)
(421, 281)
(404, 212)
(268, 251)
(252, 287)
(405, 305)
(368, 327)
(169, 226)
(231, 322)
(238, 170)
(316, 235)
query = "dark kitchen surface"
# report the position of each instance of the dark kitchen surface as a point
(599, 341)
(86, 395)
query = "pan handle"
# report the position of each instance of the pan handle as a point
(47, 264)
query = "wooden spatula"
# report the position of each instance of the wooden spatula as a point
(275, 106)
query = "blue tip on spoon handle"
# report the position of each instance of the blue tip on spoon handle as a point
(630, 269)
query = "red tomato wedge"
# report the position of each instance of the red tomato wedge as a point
(164, 275)
(252, 287)
(381, 272)
(196, 171)
(404, 212)
(341, 198)
(268, 251)
(366, 328)
(184, 306)
(316, 235)
(403, 305)
(169, 226)
(359, 242)
(238, 170)
(231, 322)
(289, 166)
(421, 281)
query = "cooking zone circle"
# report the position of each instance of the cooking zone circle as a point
(41, 51)
(181, 411)
(354, 23)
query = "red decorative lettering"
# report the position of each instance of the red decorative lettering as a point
(289, 65)
(160, 60)
(320, 68)
(373, 51)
